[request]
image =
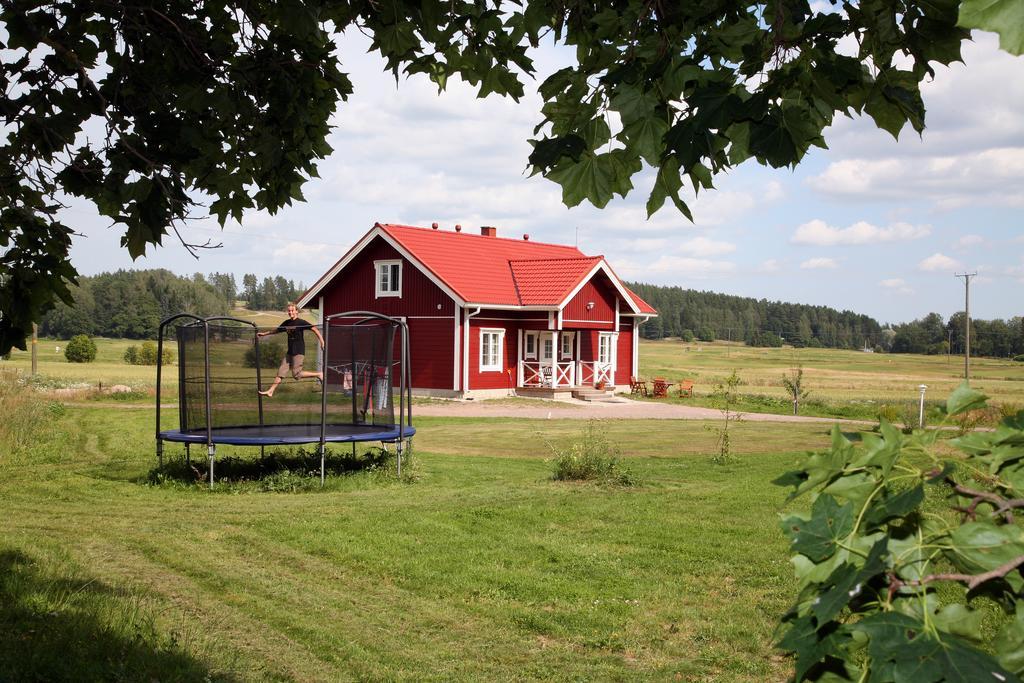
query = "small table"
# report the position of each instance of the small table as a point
(661, 388)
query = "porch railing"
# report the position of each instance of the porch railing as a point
(592, 372)
(548, 374)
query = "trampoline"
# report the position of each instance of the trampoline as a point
(223, 363)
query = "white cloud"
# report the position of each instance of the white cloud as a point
(683, 267)
(819, 233)
(938, 262)
(968, 241)
(770, 266)
(773, 191)
(819, 263)
(896, 284)
(702, 247)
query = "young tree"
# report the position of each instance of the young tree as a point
(199, 99)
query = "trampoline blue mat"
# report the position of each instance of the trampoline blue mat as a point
(281, 435)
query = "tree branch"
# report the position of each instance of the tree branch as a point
(1002, 505)
(972, 580)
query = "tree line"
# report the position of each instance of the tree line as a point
(688, 313)
(130, 304)
(691, 314)
(930, 334)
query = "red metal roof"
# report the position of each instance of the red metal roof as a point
(492, 270)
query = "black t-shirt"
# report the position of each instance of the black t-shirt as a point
(295, 328)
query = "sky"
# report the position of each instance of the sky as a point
(871, 225)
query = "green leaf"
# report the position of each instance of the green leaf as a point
(595, 177)
(816, 537)
(1005, 17)
(549, 151)
(894, 506)
(964, 399)
(847, 583)
(960, 621)
(667, 185)
(1009, 644)
(646, 136)
(854, 488)
(633, 104)
(901, 649)
(980, 547)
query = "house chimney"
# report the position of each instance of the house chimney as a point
(488, 231)
(458, 228)
(433, 226)
(526, 237)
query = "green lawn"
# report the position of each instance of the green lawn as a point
(482, 568)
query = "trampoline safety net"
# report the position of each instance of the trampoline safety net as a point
(359, 368)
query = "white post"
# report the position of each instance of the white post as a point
(554, 359)
(920, 416)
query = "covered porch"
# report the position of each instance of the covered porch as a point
(554, 360)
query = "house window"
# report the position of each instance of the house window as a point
(491, 350)
(389, 278)
(566, 345)
(530, 346)
(604, 348)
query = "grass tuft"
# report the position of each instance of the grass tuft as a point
(591, 458)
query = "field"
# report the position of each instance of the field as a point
(480, 568)
(477, 566)
(842, 383)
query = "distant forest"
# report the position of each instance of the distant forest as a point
(706, 316)
(131, 303)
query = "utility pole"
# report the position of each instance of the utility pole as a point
(967, 322)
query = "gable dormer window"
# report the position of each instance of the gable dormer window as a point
(389, 278)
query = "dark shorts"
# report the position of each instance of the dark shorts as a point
(292, 363)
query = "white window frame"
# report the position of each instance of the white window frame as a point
(565, 344)
(605, 342)
(529, 337)
(378, 270)
(497, 335)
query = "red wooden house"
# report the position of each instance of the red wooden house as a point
(487, 314)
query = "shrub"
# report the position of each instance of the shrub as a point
(81, 349)
(687, 336)
(146, 355)
(271, 354)
(1019, 358)
(706, 334)
(591, 458)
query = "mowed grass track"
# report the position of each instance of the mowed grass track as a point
(481, 569)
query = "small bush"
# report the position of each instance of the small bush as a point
(687, 336)
(1019, 358)
(81, 349)
(889, 413)
(271, 354)
(146, 355)
(591, 458)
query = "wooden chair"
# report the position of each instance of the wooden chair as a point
(637, 386)
(686, 388)
(660, 387)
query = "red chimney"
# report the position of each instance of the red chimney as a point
(526, 237)
(434, 226)
(458, 228)
(488, 231)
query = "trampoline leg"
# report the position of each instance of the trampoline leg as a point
(323, 457)
(160, 453)
(188, 455)
(398, 450)
(212, 451)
